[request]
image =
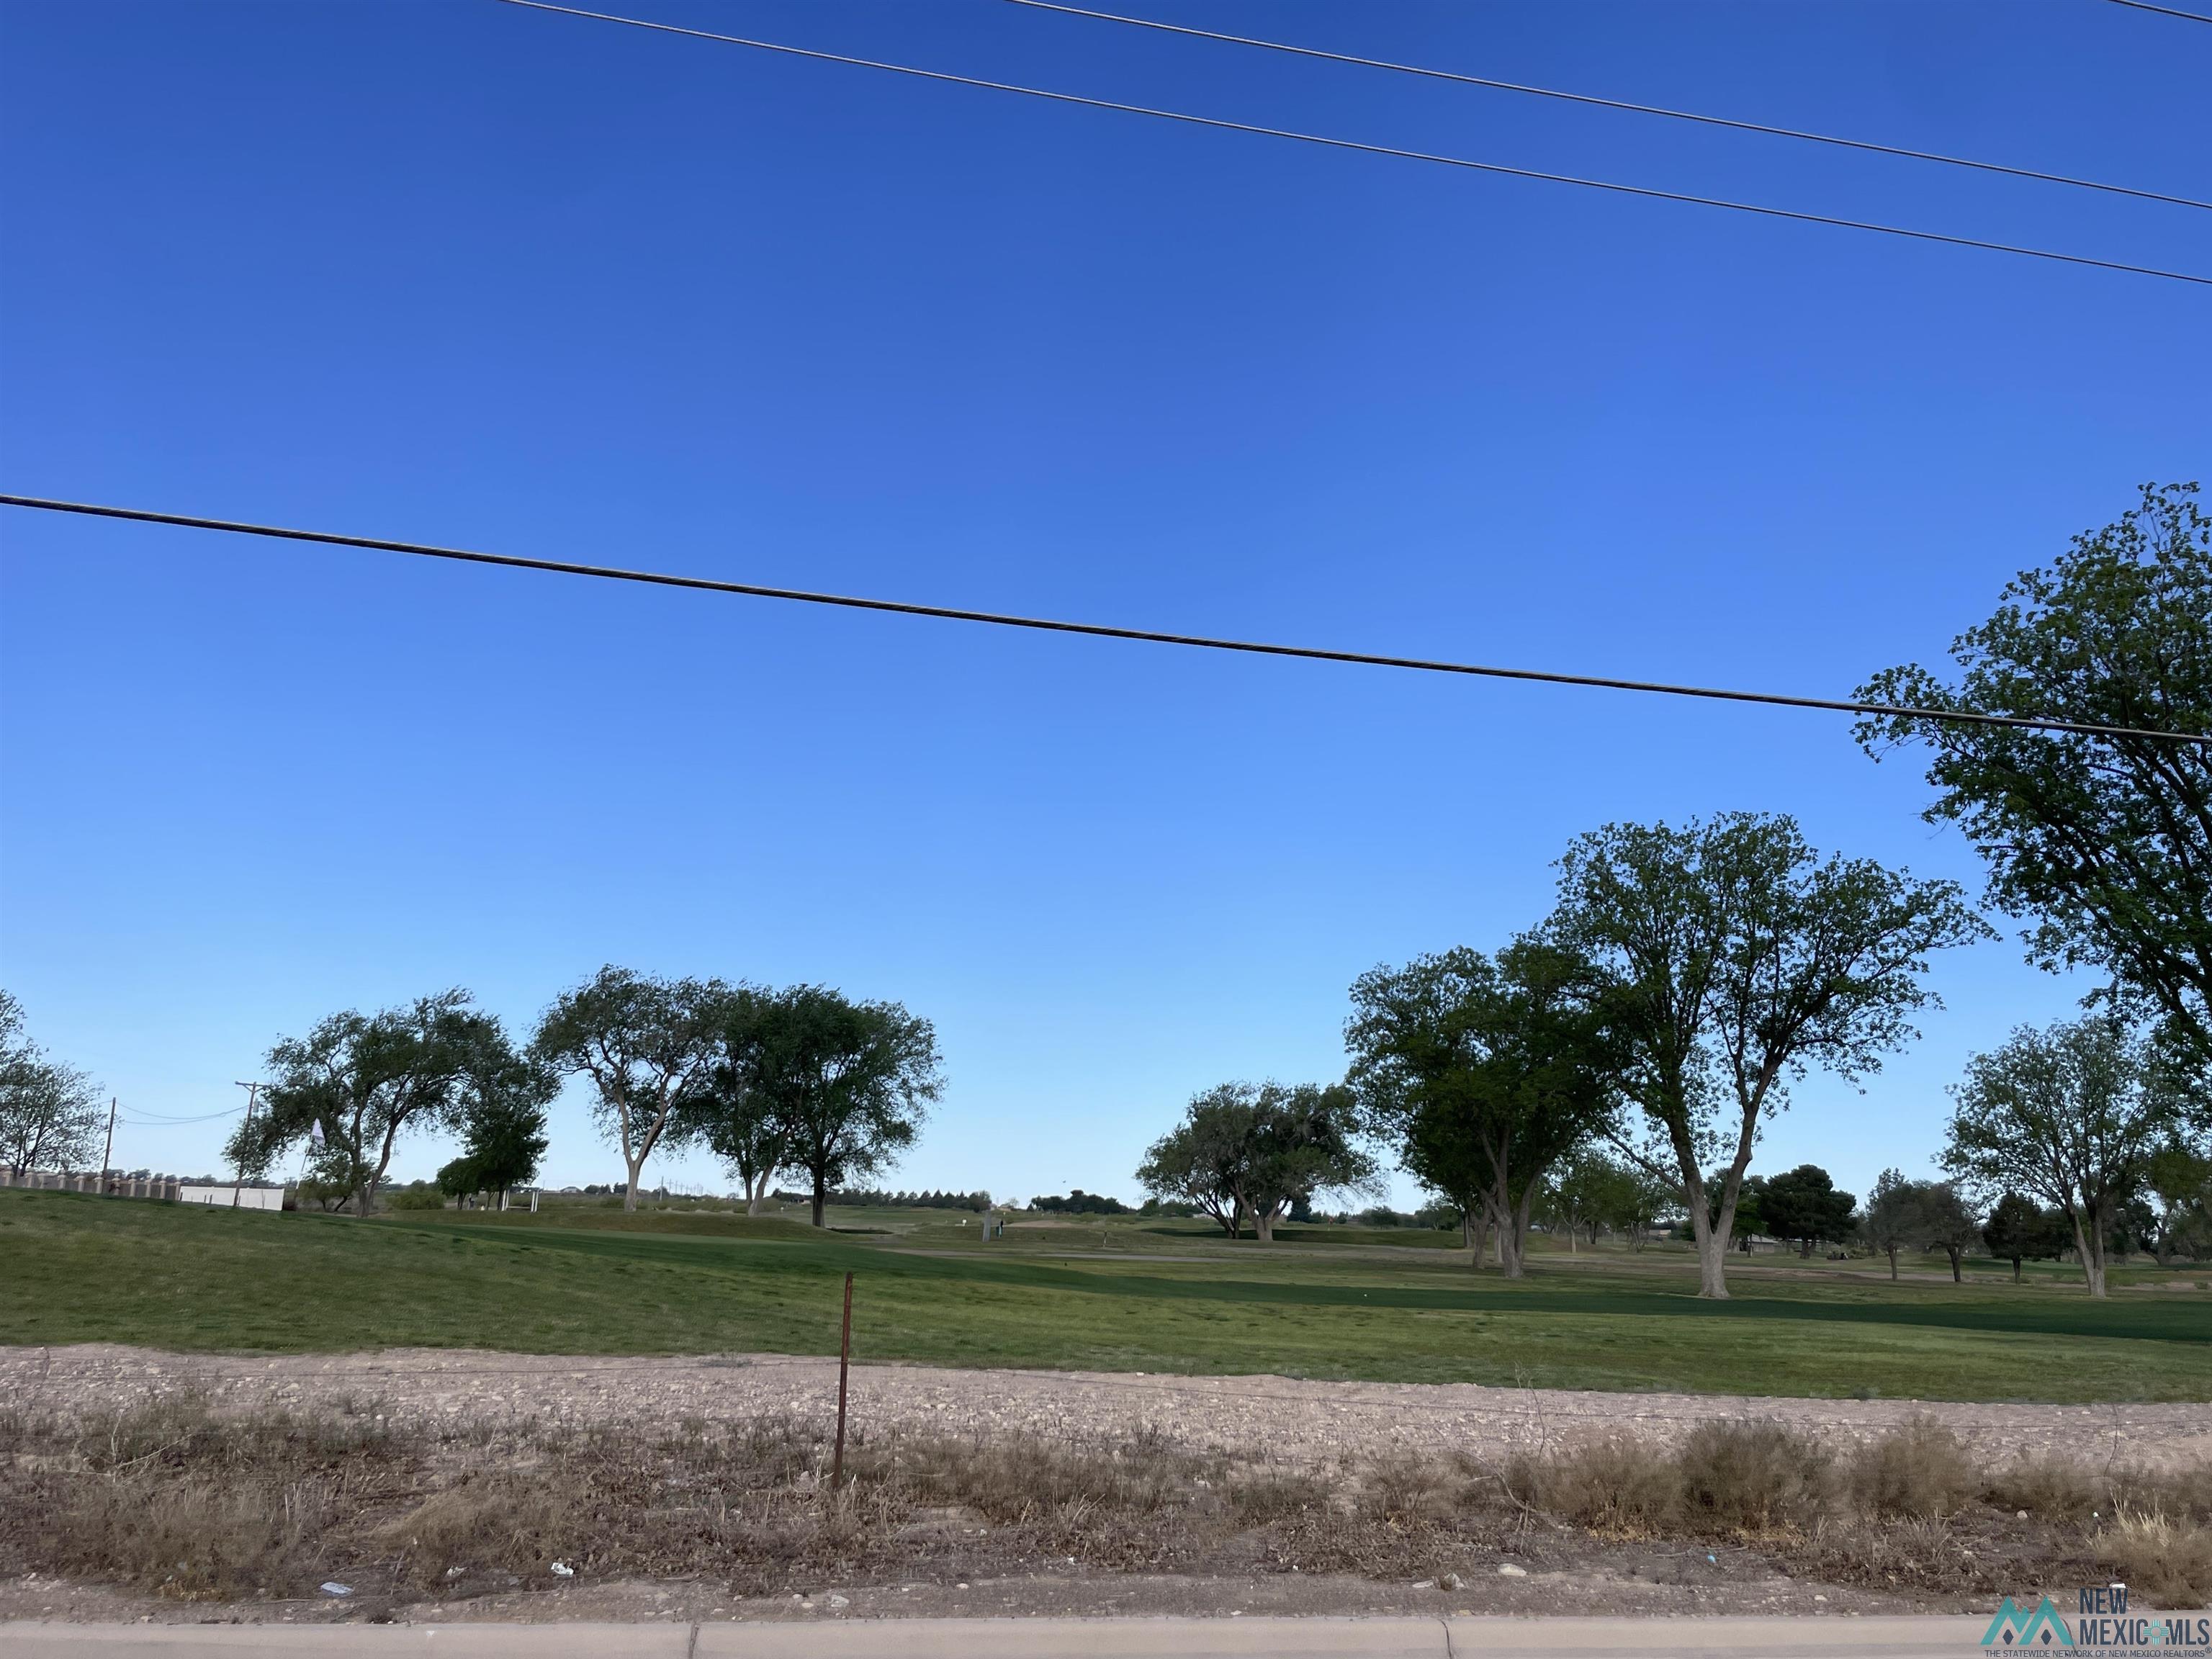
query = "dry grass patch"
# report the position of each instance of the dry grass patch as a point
(2168, 1559)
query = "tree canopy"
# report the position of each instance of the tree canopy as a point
(1804, 1205)
(358, 1083)
(2073, 1115)
(49, 1112)
(641, 1041)
(1256, 1149)
(2102, 845)
(1484, 1074)
(1732, 958)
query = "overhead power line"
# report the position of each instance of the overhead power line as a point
(2165, 11)
(1612, 103)
(1095, 630)
(1464, 162)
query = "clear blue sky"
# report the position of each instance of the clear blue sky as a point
(463, 273)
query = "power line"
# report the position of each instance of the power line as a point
(2165, 11)
(1497, 168)
(1095, 630)
(1614, 103)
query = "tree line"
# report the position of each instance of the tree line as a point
(1689, 975)
(801, 1079)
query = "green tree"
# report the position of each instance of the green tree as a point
(1256, 1149)
(2074, 1115)
(1947, 1223)
(2181, 1179)
(1731, 959)
(504, 1098)
(1484, 1074)
(1894, 1213)
(2020, 1230)
(1589, 1191)
(641, 1041)
(51, 1114)
(731, 1106)
(358, 1083)
(848, 1083)
(1804, 1205)
(2103, 845)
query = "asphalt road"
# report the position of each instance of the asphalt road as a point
(1028, 1638)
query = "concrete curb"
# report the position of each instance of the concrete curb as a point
(1028, 1638)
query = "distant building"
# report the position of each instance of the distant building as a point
(251, 1195)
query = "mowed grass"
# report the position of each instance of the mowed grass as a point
(78, 1269)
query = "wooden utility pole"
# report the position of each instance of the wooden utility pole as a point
(108, 1152)
(844, 1364)
(252, 1091)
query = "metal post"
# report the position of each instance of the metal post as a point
(253, 1091)
(108, 1152)
(844, 1364)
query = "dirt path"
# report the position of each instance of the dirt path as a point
(1301, 1422)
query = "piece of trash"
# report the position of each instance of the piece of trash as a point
(2022, 1515)
(1425, 1583)
(1507, 1570)
(1819, 1598)
(1714, 1560)
(562, 1570)
(839, 1601)
(331, 1587)
(455, 1572)
(1451, 1581)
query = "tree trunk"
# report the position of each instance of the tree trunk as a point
(1893, 1264)
(1712, 1244)
(1481, 1216)
(821, 1198)
(1263, 1224)
(2016, 1270)
(629, 1187)
(1957, 1277)
(2089, 1245)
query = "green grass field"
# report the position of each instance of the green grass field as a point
(1120, 1296)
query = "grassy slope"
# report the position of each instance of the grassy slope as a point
(74, 1268)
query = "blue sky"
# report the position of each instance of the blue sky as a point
(463, 273)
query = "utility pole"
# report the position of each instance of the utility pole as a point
(108, 1152)
(252, 1091)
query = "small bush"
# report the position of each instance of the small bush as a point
(423, 1196)
(1752, 1475)
(1616, 1483)
(2167, 1559)
(1917, 1470)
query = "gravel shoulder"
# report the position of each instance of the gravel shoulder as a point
(1291, 1420)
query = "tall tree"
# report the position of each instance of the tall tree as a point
(641, 1041)
(1894, 1215)
(731, 1106)
(1484, 1074)
(358, 1083)
(1947, 1223)
(1258, 1150)
(49, 1112)
(504, 1096)
(1803, 1204)
(2102, 845)
(2018, 1229)
(2181, 1179)
(2073, 1115)
(850, 1083)
(1733, 959)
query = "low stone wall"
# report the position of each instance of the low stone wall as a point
(114, 1186)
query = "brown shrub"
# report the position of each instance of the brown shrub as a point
(195, 1538)
(487, 1523)
(1918, 1469)
(1618, 1483)
(1752, 1475)
(2167, 1559)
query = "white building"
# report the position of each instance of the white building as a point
(250, 1196)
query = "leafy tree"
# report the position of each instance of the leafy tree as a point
(504, 1097)
(1254, 1150)
(1200, 1162)
(358, 1083)
(50, 1114)
(1894, 1215)
(2018, 1229)
(1484, 1074)
(642, 1041)
(848, 1083)
(1947, 1223)
(1731, 959)
(2105, 843)
(2074, 1115)
(1803, 1204)
(1589, 1191)
(2181, 1180)
(730, 1105)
